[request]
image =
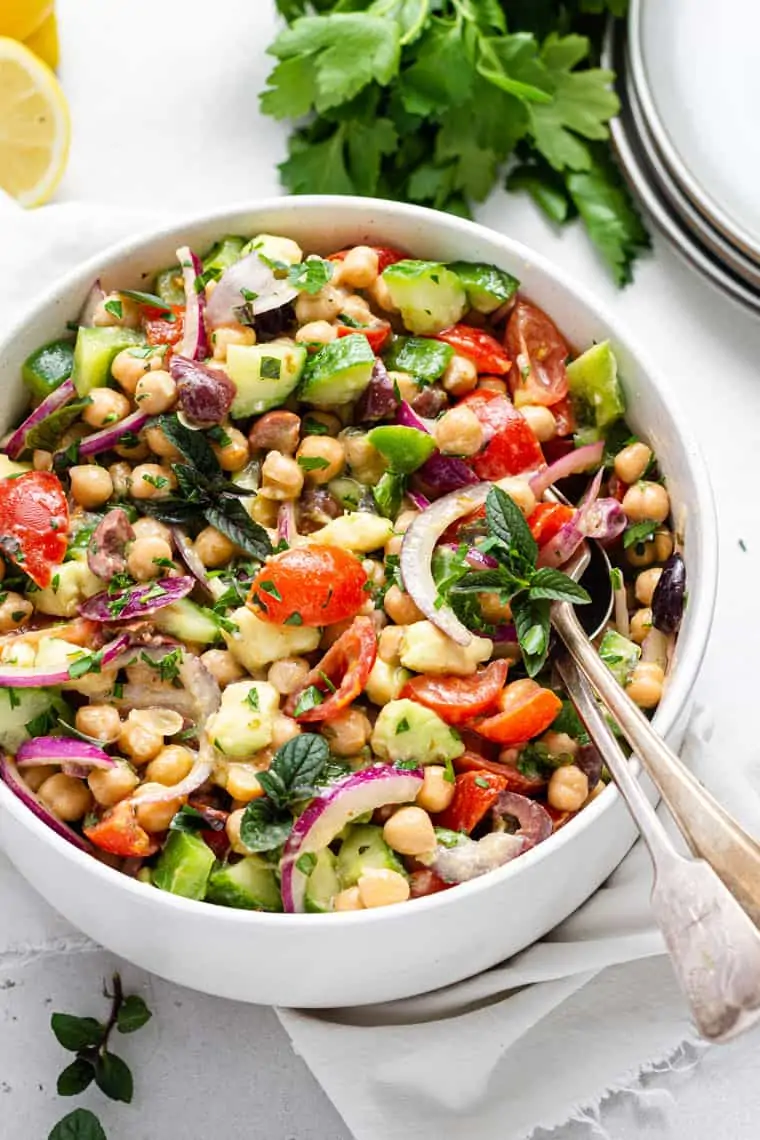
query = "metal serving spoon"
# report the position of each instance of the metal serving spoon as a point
(713, 943)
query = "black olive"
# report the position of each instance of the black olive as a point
(669, 596)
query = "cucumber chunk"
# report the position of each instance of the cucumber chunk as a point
(184, 866)
(338, 373)
(595, 391)
(94, 354)
(264, 375)
(224, 254)
(323, 884)
(424, 359)
(364, 847)
(405, 448)
(487, 287)
(169, 286)
(428, 294)
(248, 885)
(25, 713)
(619, 654)
(188, 621)
(48, 367)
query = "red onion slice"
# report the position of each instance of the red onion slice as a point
(14, 677)
(193, 344)
(440, 474)
(287, 527)
(137, 601)
(57, 398)
(602, 519)
(91, 305)
(110, 437)
(329, 813)
(571, 464)
(63, 750)
(242, 280)
(9, 774)
(419, 502)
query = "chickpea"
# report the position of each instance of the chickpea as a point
(121, 477)
(380, 887)
(560, 744)
(159, 444)
(264, 511)
(357, 309)
(646, 684)
(494, 609)
(381, 295)
(389, 644)
(170, 766)
(101, 722)
(282, 477)
(374, 570)
(121, 311)
(277, 431)
(493, 384)
(157, 816)
(350, 899)
(316, 333)
(359, 268)
(322, 306)
(232, 827)
(288, 674)
(460, 376)
(632, 462)
(459, 432)
(225, 335)
(156, 392)
(540, 421)
(645, 585)
(641, 624)
(365, 461)
(146, 556)
(400, 607)
(284, 728)
(242, 783)
(14, 611)
(641, 554)
(568, 788)
(69, 799)
(111, 786)
(134, 451)
(321, 458)
(348, 732)
(91, 486)
(663, 544)
(129, 366)
(213, 548)
(35, 777)
(106, 407)
(152, 528)
(408, 388)
(410, 831)
(222, 666)
(646, 500)
(327, 420)
(234, 454)
(151, 481)
(139, 743)
(518, 489)
(436, 792)
(42, 460)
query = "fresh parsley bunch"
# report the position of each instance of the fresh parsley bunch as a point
(529, 590)
(432, 101)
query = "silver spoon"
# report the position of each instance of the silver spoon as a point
(713, 943)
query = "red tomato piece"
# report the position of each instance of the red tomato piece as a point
(385, 256)
(458, 699)
(559, 818)
(564, 417)
(511, 446)
(309, 585)
(475, 793)
(516, 782)
(341, 674)
(527, 710)
(539, 352)
(617, 488)
(377, 334)
(34, 523)
(547, 520)
(481, 348)
(119, 833)
(160, 330)
(426, 882)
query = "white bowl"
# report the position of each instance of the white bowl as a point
(370, 956)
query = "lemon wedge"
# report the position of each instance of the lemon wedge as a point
(20, 18)
(44, 41)
(34, 125)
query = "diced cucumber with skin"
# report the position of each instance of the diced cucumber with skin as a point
(184, 866)
(188, 621)
(250, 884)
(20, 707)
(595, 391)
(405, 448)
(224, 254)
(323, 884)
(264, 375)
(362, 849)
(429, 296)
(94, 353)
(487, 287)
(405, 730)
(338, 373)
(349, 492)
(48, 367)
(423, 358)
(620, 655)
(169, 286)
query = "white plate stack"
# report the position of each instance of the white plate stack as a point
(688, 135)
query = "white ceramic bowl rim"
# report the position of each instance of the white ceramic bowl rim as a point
(701, 594)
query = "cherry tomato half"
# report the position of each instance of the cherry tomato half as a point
(539, 352)
(309, 585)
(564, 417)
(385, 256)
(34, 523)
(341, 674)
(475, 793)
(547, 521)
(376, 334)
(527, 710)
(511, 446)
(425, 882)
(481, 348)
(119, 833)
(516, 781)
(161, 330)
(459, 699)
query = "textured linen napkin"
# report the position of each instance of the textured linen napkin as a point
(547, 1034)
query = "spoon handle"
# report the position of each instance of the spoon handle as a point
(713, 944)
(707, 827)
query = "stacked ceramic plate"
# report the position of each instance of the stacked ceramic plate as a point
(688, 137)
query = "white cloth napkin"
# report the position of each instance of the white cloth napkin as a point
(529, 1043)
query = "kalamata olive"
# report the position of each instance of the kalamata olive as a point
(106, 553)
(316, 508)
(274, 323)
(205, 394)
(430, 402)
(669, 596)
(379, 400)
(275, 431)
(590, 762)
(534, 820)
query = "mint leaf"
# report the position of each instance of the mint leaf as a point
(78, 1125)
(556, 587)
(531, 620)
(231, 518)
(263, 826)
(75, 1033)
(133, 1014)
(114, 1078)
(299, 762)
(75, 1078)
(506, 522)
(639, 532)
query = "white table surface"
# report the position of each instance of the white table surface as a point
(163, 95)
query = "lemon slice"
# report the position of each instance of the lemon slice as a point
(44, 42)
(34, 126)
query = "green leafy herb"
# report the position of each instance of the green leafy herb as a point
(189, 820)
(402, 726)
(309, 699)
(264, 826)
(312, 463)
(639, 532)
(310, 276)
(148, 300)
(293, 619)
(115, 308)
(306, 863)
(47, 434)
(86, 663)
(271, 366)
(314, 427)
(81, 1124)
(293, 775)
(252, 699)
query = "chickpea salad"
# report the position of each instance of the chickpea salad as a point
(277, 570)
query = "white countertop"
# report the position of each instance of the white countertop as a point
(163, 96)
